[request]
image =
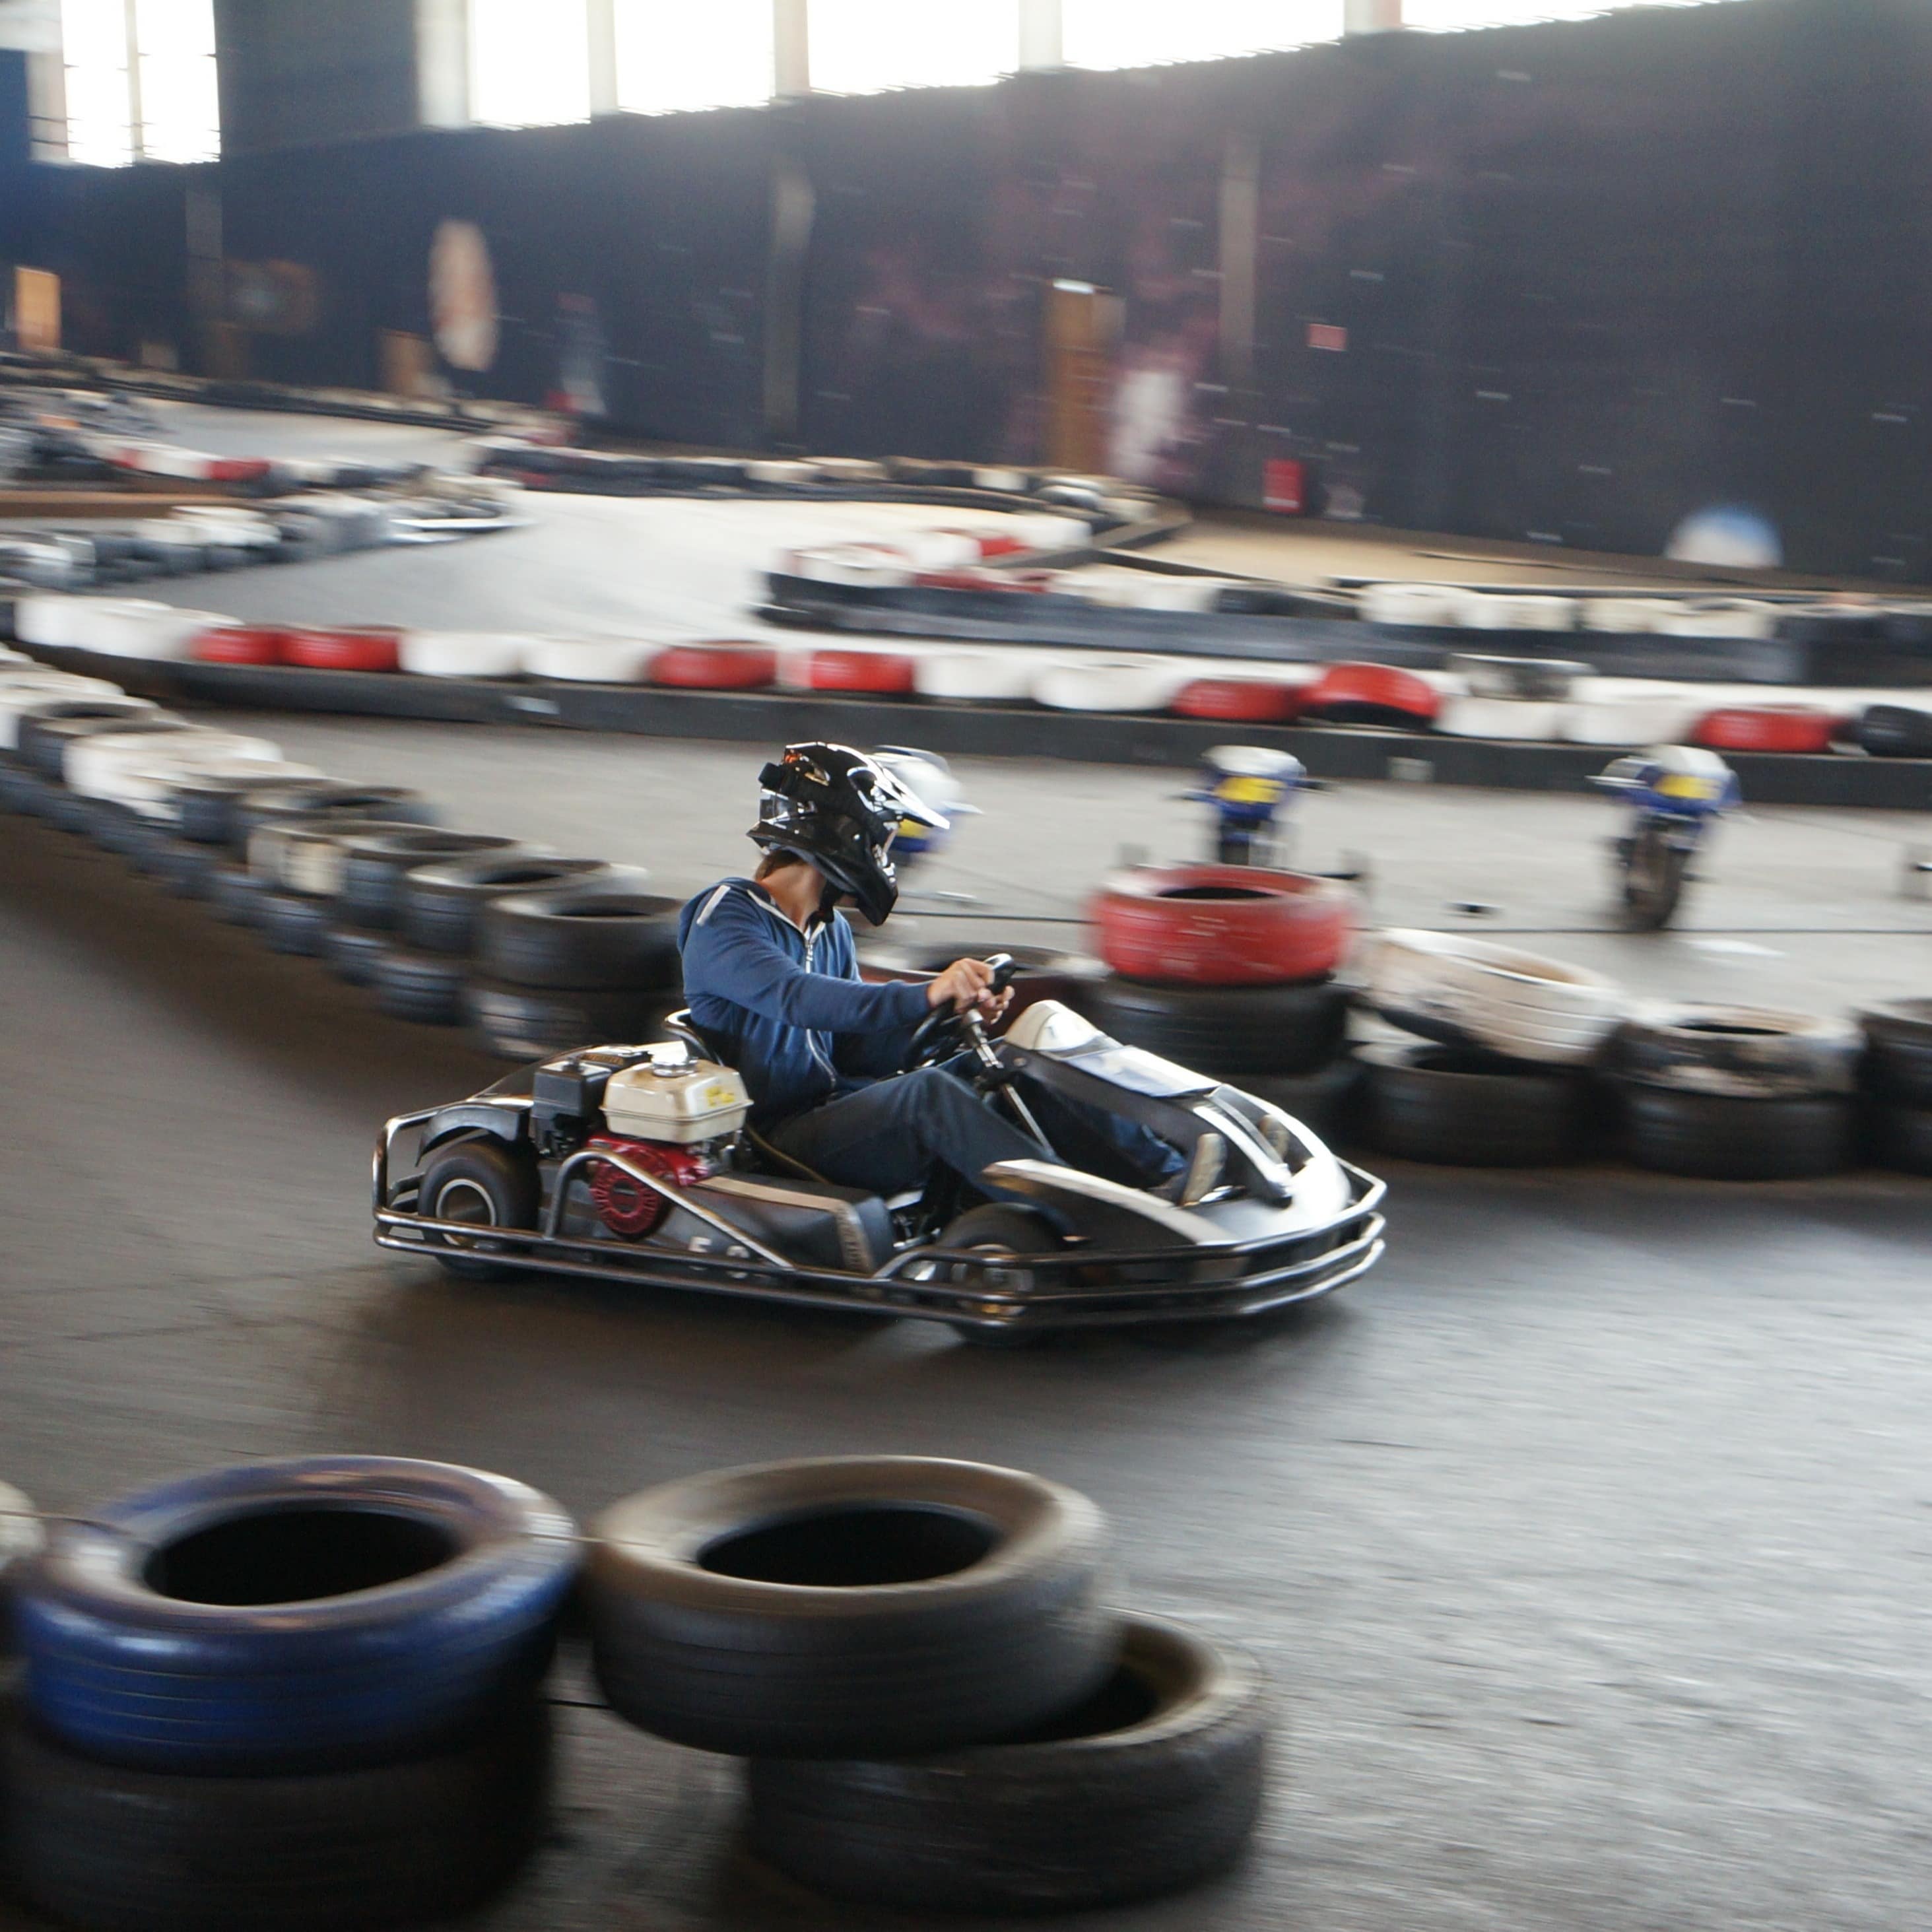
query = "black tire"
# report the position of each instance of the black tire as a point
(1901, 1138)
(1747, 1051)
(426, 987)
(440, 902)
(1001, 1229)
(1227, 1031)
(482, 1184)
(20, 1539)
(41, 734)
(205, 805)
(293, 923)
(312, 797)
(141, 1851)
(22, 790)
(236, 895)
(516, 1023)
(67, 811)
(374, 865)
(185, 868)
(1154, 1783)
(354, 955)
(578, 937)
(1898, 1059)
(1325, 1100)
(115, 829)
(1895, 731)
(1653, 881)
(1459, 1107)
(817, 1608)
(305, 1613)
(1724, 1137)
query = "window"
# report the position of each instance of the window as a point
(99, 108)
(1151, 33)
(530, 65)
(673, 55)
(181, 112)
(863, 46)
(1441, 16)
(140, 84)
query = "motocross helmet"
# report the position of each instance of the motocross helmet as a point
(839, 810)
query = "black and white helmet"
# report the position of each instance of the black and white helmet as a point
(839, 810)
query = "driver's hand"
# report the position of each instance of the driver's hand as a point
(968, 984)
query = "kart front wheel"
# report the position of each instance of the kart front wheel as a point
(482, 1184)
(1654, 871)
(996, 1231)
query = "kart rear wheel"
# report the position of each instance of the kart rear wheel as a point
(1653, 880)
(483, 1184)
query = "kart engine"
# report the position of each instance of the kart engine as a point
(665, 1112)
(626, 1206)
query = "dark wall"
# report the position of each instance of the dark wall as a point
(319, 71)
(1570, 283)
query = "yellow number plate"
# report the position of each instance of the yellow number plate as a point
(1250, 791)
(1679, 787)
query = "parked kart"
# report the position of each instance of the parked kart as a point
(636, 1164)
(1676, 794)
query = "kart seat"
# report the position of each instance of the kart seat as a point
(681, 1026)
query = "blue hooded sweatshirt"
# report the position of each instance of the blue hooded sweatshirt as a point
(787, 1008)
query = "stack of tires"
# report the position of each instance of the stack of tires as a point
(1230, 970)
(300, 1693)
(939, 1709)
(1499, 1073)
(592, 959)
(1898, 1083)
(1737, 1093)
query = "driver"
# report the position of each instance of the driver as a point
(770, 975)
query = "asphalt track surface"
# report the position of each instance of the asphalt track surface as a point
(1586, 1541)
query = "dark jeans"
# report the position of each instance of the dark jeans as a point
(889, 1136)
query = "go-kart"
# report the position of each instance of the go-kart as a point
(636, 1164)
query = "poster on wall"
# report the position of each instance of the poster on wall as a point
(37, 311)
(463, 296)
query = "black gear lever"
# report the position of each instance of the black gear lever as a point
(992, 1070)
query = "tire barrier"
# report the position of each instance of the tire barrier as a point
(1221, 925)
(1239, 700)
(310, 1695)
(440, 902)
(795, 1610)
(1371, 694)
(1107, 684)
(356, 647)
(1296, 1027)
(1894, 731)
(1155, 1782)
(1735, 1137)
(1458, 1106)
(1466, 992)
(155, 1634)
(1766, 727)
(718, 667)
(20, 1539)
(1750, 1052)
(876, 674)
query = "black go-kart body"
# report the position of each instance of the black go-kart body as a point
(532, 1173)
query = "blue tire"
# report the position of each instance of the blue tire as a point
(321, 1612)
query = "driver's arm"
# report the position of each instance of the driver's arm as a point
(732, 953)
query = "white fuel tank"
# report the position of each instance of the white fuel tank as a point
(684, 1100)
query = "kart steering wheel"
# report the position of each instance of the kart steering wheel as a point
(937, 1036)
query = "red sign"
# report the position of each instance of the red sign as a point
(1327, 335)
(1284, 485)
